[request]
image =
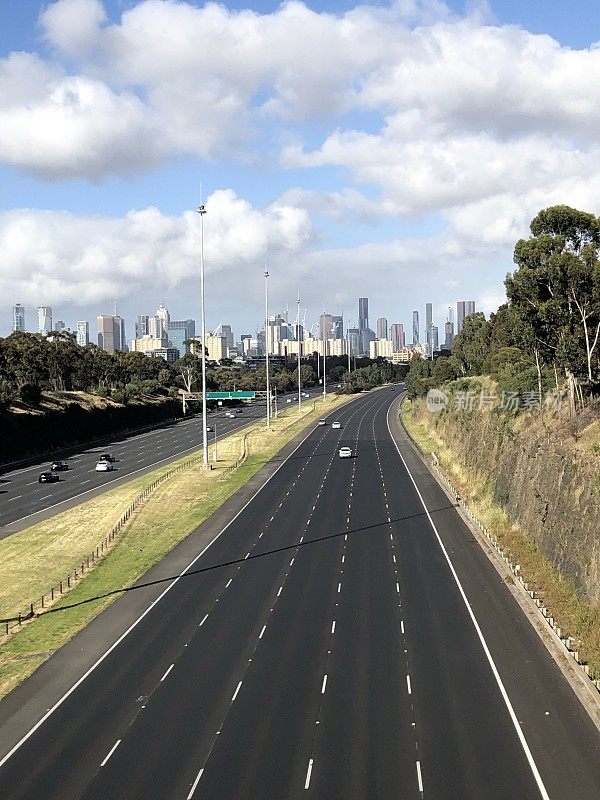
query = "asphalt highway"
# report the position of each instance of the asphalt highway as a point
(337, 641)
(23, 500)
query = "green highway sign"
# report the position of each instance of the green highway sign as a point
(230, 395)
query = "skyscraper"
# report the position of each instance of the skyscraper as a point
(18, 317)
(382, 328)
(111, 333)
(363, 313)
(163, 318)
(83, 333)
(429, 328)
(179, 332)
(397, 336)
(464, 308)
(415, 326)
(325, 327)
(142, 326)
(337, 322)
(449, 330)
(44, 320)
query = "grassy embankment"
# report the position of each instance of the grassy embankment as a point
(38, 557)
(575, 617)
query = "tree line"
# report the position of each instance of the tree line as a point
(31, 363)
(546, 337)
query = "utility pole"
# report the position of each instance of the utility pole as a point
(299, 362)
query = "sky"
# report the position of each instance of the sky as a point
(394, 150)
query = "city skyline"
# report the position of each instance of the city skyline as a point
(159, 334)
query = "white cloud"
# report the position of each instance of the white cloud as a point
(81, 260)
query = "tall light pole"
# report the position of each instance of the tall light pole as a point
(266, 274)
(349, 347)
(202, 211)
(324, 340)
(299, 345)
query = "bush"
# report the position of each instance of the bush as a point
(31, 394)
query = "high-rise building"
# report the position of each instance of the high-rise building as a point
(449, 330)
(363, 313)
(382, 328)
(325, 327)
(415, 328)
(216, 347)
(435, 339)
(44, 320)
(397, 336)
(142, 326)
(337, 326)
(59, 325)
(228, 334)
(111, 333)
(464, 308)
(429, 328)
(18, 317)
(179, 332)
(163, 318)
(354, 341)
(83, 333)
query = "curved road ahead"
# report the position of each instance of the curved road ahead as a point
(323, 647)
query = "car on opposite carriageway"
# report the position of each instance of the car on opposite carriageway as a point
(48, 476)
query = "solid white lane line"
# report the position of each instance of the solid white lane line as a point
(110, 752)
(521, 736)
(235, 694)
(167, 672)
(324, 684)
(333, 626)
(408, 684)
(419, 778)
(227, 585)
(308, 774)
(203, 621)
(194, 784)
(263, 630)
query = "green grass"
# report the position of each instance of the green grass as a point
(171, 512)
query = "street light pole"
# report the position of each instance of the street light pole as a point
(266, 274)
(299, 345)
(202, 211)
(324, 340)
(348, 348)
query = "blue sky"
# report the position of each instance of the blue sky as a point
(393, 150)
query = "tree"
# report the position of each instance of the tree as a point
(556, 293)
(471, 345)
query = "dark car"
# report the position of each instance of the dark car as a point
(48, 477)
(59, 466)
(106, 457)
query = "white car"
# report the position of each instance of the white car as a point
(306, 394)
(230, 414)
(289, 400)
(322, 422)
(104, 466)
(209, 429)
(336, 425)
(345, 452)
